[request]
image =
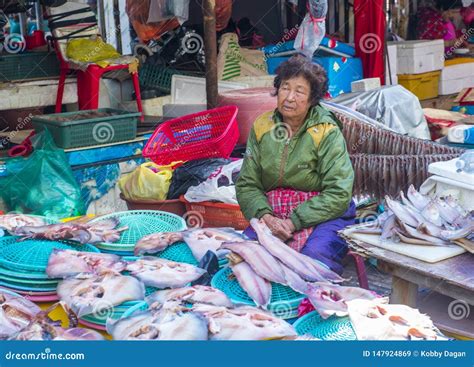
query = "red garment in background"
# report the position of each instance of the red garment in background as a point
(430, 24)
(370, 36)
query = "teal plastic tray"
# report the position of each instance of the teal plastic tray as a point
(283, 303)
(23, 287)
(141, 223)
(23, 275)
(33, 255)
(333, 328)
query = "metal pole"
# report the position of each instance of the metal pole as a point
(39, 15)
(23, 20)
(210, 47)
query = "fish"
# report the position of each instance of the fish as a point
(418, 200)
(412, 232)
(305, 337)
(463, 232)
(388, 227)
(243, 323)
(16, 313)
(97, 232)
(294, 281)
(12, 221)
(44, 330)
(156, 242)
(258, 258)
(99, 293)
(431, 213)
(447, 212)
(377, 320)
(195, 294)
(66, 263)
(201, 240)
(401, 212)
(159, 323)
(306, 267)
(407, 203)
(453, 203)
(329, 299)
(429, 229)
(257, 288)
(161, 273)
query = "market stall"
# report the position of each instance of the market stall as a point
(194, 257)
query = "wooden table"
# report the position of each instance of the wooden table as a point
(452, 277)
(450, 283)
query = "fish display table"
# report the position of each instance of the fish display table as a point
(452, 277)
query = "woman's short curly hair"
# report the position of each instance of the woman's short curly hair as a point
(300, 65)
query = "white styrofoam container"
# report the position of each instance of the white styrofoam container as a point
(391, 60)
(258, 81)
(455, 78)
(443, 186)
(178, 110)
(151, 106)
(365, 85)
(192, 90)
(421, 56)
(394, 80)
(448, 169)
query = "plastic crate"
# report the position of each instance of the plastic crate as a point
(424, 86)
(217, 214)
(207, 134)
(157, 77)
(28, 65)
(81, 128)
(171, 206)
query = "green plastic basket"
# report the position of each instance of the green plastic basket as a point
(33, 255)
(283, 303)
(28, 66)
(156, 77)
(80, 129)
(333, 328)
(179, 252)
(141, 223)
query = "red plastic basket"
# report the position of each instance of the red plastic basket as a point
(216, 214)
(207, 134)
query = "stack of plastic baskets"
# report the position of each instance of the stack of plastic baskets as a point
(23, 266)
(207, 134)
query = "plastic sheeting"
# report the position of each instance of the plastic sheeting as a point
(313, 28)
(393, 106)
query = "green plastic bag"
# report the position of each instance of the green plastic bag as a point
(43, 183)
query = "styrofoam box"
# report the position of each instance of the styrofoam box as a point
(192, 90)
(177, 110)
(448, 169)
(365, 85)
(455, 78)
(394, 80)
(422, 56)
(392, 59)
(151, 106)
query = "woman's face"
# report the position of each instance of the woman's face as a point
(294, 98)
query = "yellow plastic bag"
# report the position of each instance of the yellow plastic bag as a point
(91, 50)
(149, 181)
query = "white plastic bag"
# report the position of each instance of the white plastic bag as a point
(161, 10)
(209, 190)
(312, 28)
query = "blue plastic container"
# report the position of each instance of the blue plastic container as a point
(341, 71)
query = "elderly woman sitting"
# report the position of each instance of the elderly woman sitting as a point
(297, 175)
